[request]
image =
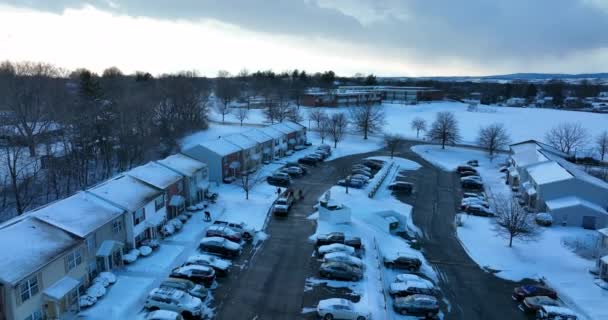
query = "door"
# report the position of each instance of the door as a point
(589, 222)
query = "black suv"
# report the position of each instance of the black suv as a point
(403, 262)
(278, 181)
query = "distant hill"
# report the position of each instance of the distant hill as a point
(532, 77)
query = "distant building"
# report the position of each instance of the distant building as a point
(357, 95)
(516, 102)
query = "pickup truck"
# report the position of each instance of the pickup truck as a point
(283, 203)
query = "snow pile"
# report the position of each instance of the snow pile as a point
(97, 290)
(145, 251)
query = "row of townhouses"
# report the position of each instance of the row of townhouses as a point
(50, 255)
(552, 184)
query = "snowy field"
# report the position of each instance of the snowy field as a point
(546, 259)
(522, 123)
(377, 242)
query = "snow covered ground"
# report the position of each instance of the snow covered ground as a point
(546, 259)
(376, 241)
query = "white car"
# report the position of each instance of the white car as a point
(241, 227)
(336, 308)
(220, 265)
(336, 247)
(360, 177)
(344, 258)
(405, 277)
(293, 171)
(174, 300)
(164, 315)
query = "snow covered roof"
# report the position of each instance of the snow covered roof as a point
(603, 231)
(155, 174)
(79, 214)
(182, 164)
(293, 125)
(257, 135)
(272, 132)
(574, 170)
(284, 128)
(220, 146)
(61, 288)
(526, 154)
(241, 141)
(29, 244)
(126, 192)
(548, 172)
(572, 201)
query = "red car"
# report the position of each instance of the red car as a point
(526, 291)
(223, 232)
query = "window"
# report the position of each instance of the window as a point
(117, 225)
(36, 315)
(73, 259)
(139, 216)
(159, 202)
(29, 288)
(91, 244)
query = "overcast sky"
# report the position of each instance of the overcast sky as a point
(385, 37)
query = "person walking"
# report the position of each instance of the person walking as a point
(207, 216)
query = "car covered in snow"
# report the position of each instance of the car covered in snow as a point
(344, 257)
(467, 195)
(329, 238)
(417, 305)
(465, 168)
(410, 287)
(223, 232)
(352, 183)
(374, 164)
(360, 177)
(284, 203)
(174, 300)
(470, 184)
(336, 247)
(221, 266)
(164, 315)
(293, 171)
(478, 210)
(195, 290)
(246, 231)
(402, 261)
(469, 174)
(220, 246)
(336, 308)
(533, 304)
(544, 219)
(473, 163)
(530, 290)
(471, 178)
(340, 271)
(473, 201)
(195, 273)
(555, 313)
(403, 277)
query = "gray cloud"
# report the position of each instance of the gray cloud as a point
(479, 31)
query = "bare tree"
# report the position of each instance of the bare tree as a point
(324, 127)
(418, 124)
(249, 180)
(513, 222)
(368, 118)
(317, 116)
(241, 114)
(337, 127)
(444, 129)
(493, 137)
(602, 144)
(294, 114)
(393, 142)
(567, 137)
(226, 90)
(21, 171)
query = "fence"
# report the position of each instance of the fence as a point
(383, 291)
(378, 182)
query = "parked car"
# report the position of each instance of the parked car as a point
(478, 210)
(174, 300)
(316, 156)
(336, 308)
(195, 273)
(401, 186)
(362, 167)
(221, 266)
(362, 172)
(223, 232)
(403, 277)
(460, 169)
(531, 290)
(354, 242)
(410, 287)
(473, 201)
(471, 185)
(360, 177)
(469, 174)
(308, 161)
(403, 261)
(357, 184)
(293, 171)
(555, 313)
(473, 163)
(345, 258)
(374, 164)
(195, 290)
(336, 247)
(220, 246)
(533, 304)
(279, 181)
(340, 271)
(164, 315)
(246, 231)
(330, 238)
(417, 304)
(473, 195)
(325, 147)
(472, 178)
